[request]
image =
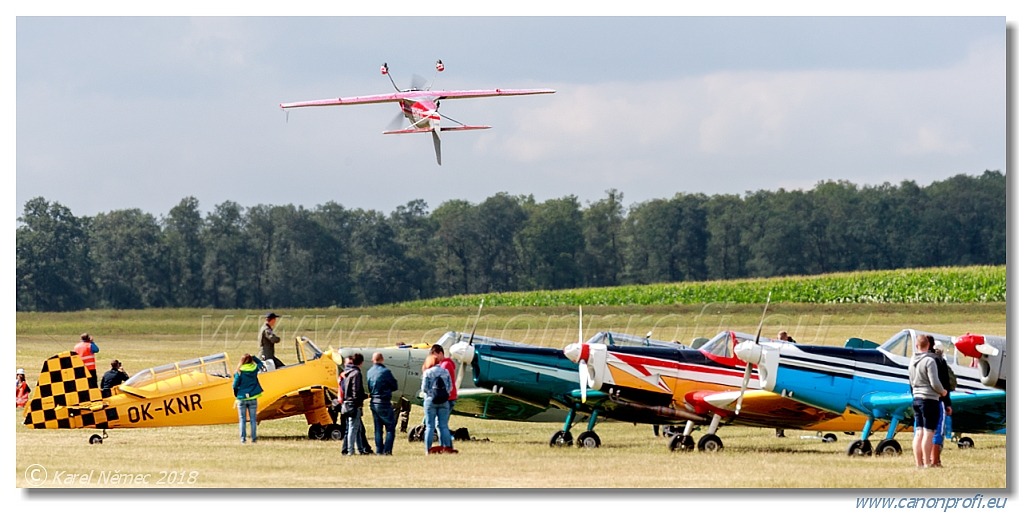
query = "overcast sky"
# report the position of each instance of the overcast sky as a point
(117, 113)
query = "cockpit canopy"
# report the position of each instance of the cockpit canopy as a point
(903, 344)
(179, 375)
(613, 339)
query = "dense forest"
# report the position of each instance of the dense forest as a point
(286, 256)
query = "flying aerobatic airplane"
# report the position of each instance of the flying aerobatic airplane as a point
(873, 382)
(420, 106)
(187, 393)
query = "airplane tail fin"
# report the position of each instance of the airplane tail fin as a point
(67, 396)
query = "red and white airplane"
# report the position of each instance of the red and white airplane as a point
(420, 106)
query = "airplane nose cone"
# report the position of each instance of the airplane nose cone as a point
(749, 352)
(574, 352)
(462, 352)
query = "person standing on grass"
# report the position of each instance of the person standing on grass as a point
(447, 364)
(436, 387)
(948, 380)
(926, 389)
(247, 389)
(352, 405)
(382, 383)
(21, 389)
(87, 350)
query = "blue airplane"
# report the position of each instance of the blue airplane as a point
(873, 380)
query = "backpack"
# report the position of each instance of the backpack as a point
(439, 392)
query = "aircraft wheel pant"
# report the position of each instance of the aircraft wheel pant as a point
(859, 448)
(561, 439)
(710, 443)
(588, 440)
(681, 442)
(888, 447)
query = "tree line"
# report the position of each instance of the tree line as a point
(290, 256)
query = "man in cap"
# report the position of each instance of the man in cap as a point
(87, 350)
(113, 377)
(268, 339)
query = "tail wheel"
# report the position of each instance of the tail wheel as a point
(888, 447)
(95, 439)
(830, 438)
(589, 440)
(561, 439)
(681, 442)
(710, 443)
(965, 443)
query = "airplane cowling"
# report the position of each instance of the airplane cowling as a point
(597, 365)
(991, 353)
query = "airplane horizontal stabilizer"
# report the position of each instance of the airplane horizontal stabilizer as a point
(408, 131)
(464, 127)
(67, 396)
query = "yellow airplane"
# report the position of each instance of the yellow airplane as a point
(187, 393)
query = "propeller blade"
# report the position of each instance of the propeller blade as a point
(437, 146)
(397, 122)
(750, 366)
(743, 388)
(581, 325)
(417, 83)
(584, 381)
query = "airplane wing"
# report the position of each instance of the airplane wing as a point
(413, 95)
(309, 401)
(485, 404)
(974, 411)
(761, 409)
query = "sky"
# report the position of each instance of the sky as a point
(129, 112)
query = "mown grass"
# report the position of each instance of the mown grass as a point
(517, 455)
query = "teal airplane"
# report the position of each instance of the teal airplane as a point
(873, 380)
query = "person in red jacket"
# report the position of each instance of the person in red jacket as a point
(448, 365)
(21, 389)
(87, 350)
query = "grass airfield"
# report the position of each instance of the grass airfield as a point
(515, 455)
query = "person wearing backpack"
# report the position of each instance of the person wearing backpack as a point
(436, 388)
(447, 364)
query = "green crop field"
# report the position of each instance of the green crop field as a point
(506, 454)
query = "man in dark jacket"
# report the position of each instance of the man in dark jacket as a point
(382, 383)
(352, 406)
(268, 339)
(113, 377)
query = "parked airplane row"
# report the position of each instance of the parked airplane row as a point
(612, 376)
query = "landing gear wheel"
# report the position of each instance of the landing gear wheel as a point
(333, 432)
(681, 442)
(859, 448)
(416, 433)
(589, 440)
(316, 432)
(830, 438)
(888, 447)
(965, 443)
(561, 439)
(710, 443)
(95, 439)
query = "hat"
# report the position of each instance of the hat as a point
(20, 371)
(271, 315)
(86, 337)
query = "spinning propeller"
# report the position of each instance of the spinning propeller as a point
(463, 351)
(750, 366)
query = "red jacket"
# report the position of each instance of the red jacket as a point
(85, 350)
(449, 365)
